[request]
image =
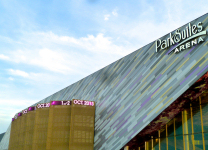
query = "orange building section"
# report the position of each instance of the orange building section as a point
(59, 125)
(82, 125)
(41, 126)
(29, 128)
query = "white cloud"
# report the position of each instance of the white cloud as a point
(4, 57)
(10, 78)
(18, 73)
(106, 17)
(52, 60)
(114, 12)
(15, 100)
(65, 54)
(9, 107)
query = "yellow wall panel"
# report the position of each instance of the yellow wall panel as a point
(12, 134)
(41, 126)
(59, 125)
(82, 125)
(29, 128)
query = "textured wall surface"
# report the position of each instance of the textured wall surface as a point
(132, 91)
(4, 144)
(1, 136)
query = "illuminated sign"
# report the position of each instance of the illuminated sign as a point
(31, 108)
(83, 102)
(24, 111)
(43, 105)
(60, 102)
(184, 39)
(19, 114)
(15, 117)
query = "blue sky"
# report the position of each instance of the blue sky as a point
(48, 45)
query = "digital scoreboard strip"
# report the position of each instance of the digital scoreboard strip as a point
(53, 125)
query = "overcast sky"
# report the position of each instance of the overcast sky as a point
(48, 45)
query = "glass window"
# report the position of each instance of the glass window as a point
(197, 119)
(198, 141)
(163, 143)
(179, 142)
(178, 124)
(163, 138)
(171, 128)
(206, 140)
(156, 144)
(171, 143)
(205, 117)
(204, 98)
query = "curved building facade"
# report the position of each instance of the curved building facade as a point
(134, 94)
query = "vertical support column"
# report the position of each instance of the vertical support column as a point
(59, 125)
(152, 141)
(126, 148)
(174, 133)
(82, 125)
(185, 129)
(202, 126)
(145, 145)
(192, 127)
(159, 139)
(166, 126)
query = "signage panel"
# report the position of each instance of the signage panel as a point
(43, 105)
(24, 111)
(31, 108)
(83, 102)
(60, 102)
(182, 40)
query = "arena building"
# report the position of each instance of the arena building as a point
(155, 98)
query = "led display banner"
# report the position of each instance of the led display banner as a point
(24, 111)
(60, 102)
(43, 105)
(83, 102)
(182, 39)
(31, 108)
(15, 117)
